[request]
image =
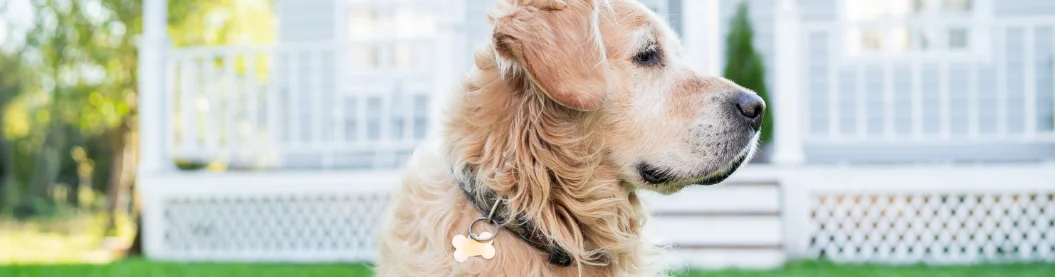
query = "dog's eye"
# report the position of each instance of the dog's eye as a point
(647, 57)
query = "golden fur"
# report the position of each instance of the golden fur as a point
(554, 118)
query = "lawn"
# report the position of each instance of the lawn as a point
(67, 240)
(143, 268)
(818, 269)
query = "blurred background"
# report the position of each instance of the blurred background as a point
(263, 137)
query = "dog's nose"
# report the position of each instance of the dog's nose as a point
(752, 108)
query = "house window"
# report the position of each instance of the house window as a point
(389, 34)
(910, 27)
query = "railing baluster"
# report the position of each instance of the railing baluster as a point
(189, 116)
(943, 106)
(230, 94)
(1029, 101)
(293, 93)
(385, 114)
(834, 113)
(211, 104)
(974, 121)
(390, 87)
(274, 78)
(339, 101)
(252, 90)
(408, 113)
(362, 97)
(1001, 82)
(888, 100)
(862, 105)
(316, 89)
(917, 99)
(416, 61)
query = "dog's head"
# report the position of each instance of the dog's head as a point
(663, 125)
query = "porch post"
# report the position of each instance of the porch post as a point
(701, 36)
(152, 113)
(786, 98)
(152, 123)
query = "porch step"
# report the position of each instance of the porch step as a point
(728, 258)
(736, 224)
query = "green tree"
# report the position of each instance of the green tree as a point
(743, 64)
(70, 82)
(10, 87)
(219, 22)
(50, 47)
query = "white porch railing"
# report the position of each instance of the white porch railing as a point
(363, 98)
(920, 97)
(367, 103)
(270, 104)
(1000, 92)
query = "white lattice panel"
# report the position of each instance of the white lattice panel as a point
(292, 216)
(276, 227)
(939, 227)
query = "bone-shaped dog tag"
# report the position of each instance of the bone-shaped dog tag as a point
(465, 248)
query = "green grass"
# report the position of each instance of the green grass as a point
(143, 268)
(821, 269)
(71, 240)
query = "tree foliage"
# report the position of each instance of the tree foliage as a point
(10, 87)
(743, 63)
(68, 81)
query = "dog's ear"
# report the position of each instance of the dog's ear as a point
(558, 45)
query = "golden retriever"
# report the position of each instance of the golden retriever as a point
(573, 107)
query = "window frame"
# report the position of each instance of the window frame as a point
(931, 19)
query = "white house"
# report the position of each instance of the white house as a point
(906, 131)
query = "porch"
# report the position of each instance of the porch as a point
(760, 218)
(889, 159)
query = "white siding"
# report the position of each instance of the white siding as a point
(1023, 7)
(819, 9)
(306, 20)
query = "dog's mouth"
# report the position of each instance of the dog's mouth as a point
(721, 175)
(655, 175)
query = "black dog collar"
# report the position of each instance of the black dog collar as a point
(523, 228)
